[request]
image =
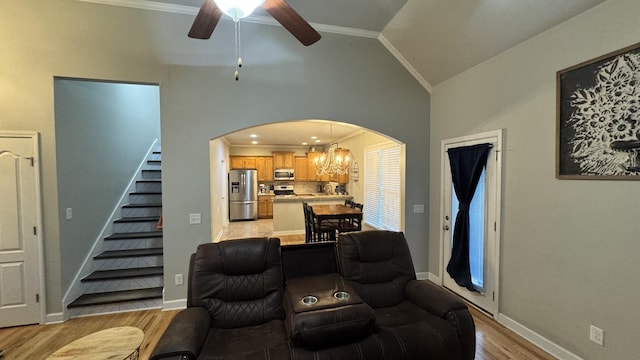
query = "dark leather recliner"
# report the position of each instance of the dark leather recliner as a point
(234, 305)
(431, 323)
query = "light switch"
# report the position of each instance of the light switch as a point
(194, 219)
(69, 214)
(179, 279)
(418, 208)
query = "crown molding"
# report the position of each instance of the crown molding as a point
(256, 19)
(148, 5)
(407, 65)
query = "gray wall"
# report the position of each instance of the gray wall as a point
(569, 254)
(340, 78)
(103, 132)
(346, 79)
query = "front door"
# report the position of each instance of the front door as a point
(484, 226)
(19, 257)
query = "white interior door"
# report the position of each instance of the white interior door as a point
(484, 223)
(19, 252)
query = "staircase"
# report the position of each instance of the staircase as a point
(128, 273)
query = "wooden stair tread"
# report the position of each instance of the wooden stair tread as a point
(117, 297)
(137, 219)
(123, 273)
(113, 254)
(134, 235)
(143, 205)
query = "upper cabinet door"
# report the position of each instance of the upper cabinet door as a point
(300, 169)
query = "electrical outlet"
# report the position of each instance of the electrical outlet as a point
(194, 219)
(179, 279)
(596, 335)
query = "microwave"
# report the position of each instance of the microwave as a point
(283, 174)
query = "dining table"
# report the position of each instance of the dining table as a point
(337, 212)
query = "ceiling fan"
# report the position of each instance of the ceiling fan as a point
(211, 11)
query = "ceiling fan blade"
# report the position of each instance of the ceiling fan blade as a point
(292, 21)
(205, 21)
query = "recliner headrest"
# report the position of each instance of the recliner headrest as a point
(249, 258)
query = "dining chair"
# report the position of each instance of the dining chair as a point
(308, 228)
(352, 224)
(324, 231)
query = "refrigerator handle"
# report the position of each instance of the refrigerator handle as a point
(244, 183)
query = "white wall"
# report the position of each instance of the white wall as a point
(570, 249)
(219, 168)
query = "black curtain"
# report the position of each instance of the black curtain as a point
(467, 164)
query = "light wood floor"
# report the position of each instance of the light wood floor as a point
(35, 342)
(494, 342)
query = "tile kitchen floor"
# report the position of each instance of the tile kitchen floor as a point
(257, 228)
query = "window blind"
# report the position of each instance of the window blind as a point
(382, 187)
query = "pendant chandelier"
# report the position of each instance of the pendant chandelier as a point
(335, 161)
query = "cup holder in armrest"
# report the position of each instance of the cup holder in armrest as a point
(341, 295)
(309, 300)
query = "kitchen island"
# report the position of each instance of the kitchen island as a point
(288, 218)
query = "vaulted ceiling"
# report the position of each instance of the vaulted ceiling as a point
(436, 38)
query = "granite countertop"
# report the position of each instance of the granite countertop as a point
(309, 197)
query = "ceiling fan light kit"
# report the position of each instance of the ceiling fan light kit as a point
(211, 11)
(238, 9)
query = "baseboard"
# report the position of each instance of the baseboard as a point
(434, 278)
(54, 318)
(174, 305)
(537, 339)
(422, 275)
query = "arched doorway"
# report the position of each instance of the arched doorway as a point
(299, 137)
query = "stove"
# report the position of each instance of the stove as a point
(283, 190)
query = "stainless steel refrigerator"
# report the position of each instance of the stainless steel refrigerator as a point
(243, 194)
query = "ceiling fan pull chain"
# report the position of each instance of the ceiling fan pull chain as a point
(238, 57)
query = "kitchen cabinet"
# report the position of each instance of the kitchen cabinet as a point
(282, 160)
(265, 207)
(236, 162)
(242, 162)
(300, 168)
(264, 164)
(249, 162)
(311, 167)
(341, 179)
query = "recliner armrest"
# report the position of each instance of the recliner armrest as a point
(184, 336)
(432, 298)
(439, 302)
